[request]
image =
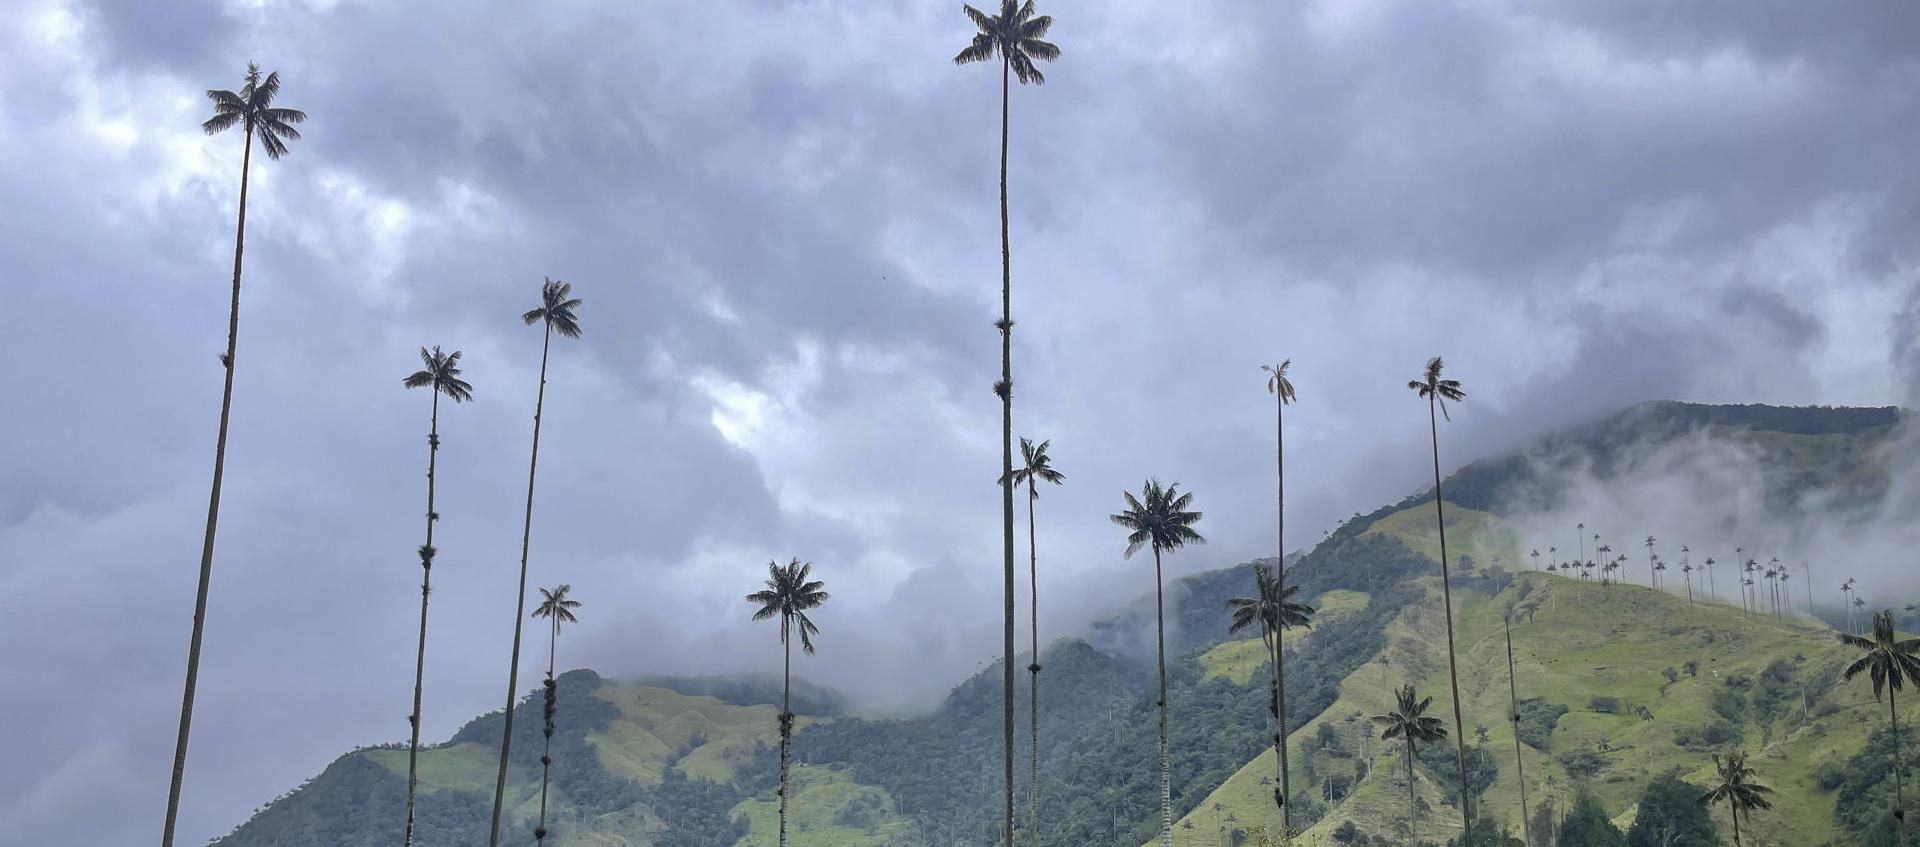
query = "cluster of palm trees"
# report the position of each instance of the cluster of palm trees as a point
(441, 374)
(253, 110)
(1763, 590)
(1159, 518)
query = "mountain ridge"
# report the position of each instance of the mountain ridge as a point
(928, 779)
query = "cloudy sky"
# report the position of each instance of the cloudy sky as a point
(781, 215)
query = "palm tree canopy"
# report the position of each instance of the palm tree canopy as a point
(1409, 718)
(1158, 518)
(1431, 387)
(1035, 465)
(1015, 35)
(556, 308)
(1735, 784)
(252, 108)
(442, 373)
(790, 592)
(1890, 661)
(1276, 609)
(555, 604)
(1277, 381)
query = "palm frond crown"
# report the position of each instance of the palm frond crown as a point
(1274, 608)
(1016, 35)
(1277, 381)
(1158, 518)
(442, 374)
(557, 605)
(1432, 387)
(1734, 784)
(790, 593)
(1035, 466)
(252, 109)
(556, 308)
(1890, 660)
(1409, 718)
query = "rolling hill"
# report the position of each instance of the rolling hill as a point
(1618, 684)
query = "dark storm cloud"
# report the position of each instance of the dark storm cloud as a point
(782, 217)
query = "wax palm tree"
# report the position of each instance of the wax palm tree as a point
(1686, 573)
(1736, 786)
(1410, 722)
(251, 108)
(1653, 579)
(1016, 36)
(1553, 558)
(1281, 387)
(1159, 519)
(1036, 466)
(1536, 559)
(1890, 662)
(1273, 609)
(1712, 594)
(790, 593)
(442, 374)
(1437, 391)
(557, 608)
(554, 314)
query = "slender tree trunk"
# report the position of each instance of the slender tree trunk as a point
(520, 605)
(786, 722)
(1453, 672)
(213, 511)
(1899, 785)
(1285, 797)
(1033, 675)
(1413, 802)
(1006, 450)
(1166, 763)
(1736, 821)
(1274, 731)
(426, 588)
(552, 704)
(1519, 763)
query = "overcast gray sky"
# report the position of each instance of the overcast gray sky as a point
(782, 218)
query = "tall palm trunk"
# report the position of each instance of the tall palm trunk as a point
(426, 588)
(1006, 446)
(1274, 730)
(552, 704)
(1166, 763)
(1735, 809)
(1519, 763)
(786, 723)
(1033, 675)
(1413, 802)
(1899, 785)
(213, 510)
(1453, 672)
(1285, 796)
(520, 605)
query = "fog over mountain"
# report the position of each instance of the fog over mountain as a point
(782, 220)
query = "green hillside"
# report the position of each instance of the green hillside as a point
(1619, 684)
(635, 764)
(1584, 643)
